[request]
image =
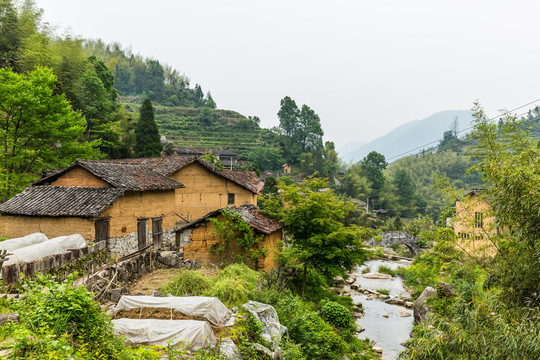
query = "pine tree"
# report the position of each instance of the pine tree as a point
(147, 140)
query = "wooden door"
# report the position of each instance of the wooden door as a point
(157, 232)
(141, 232)
(101, 229)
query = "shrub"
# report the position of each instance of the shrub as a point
(336, 314)
(60, 311)
(232, 292)
(188, 282)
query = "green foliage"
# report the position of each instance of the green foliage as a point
(312, 218)
(147, 139)
(235, 237)
(187, 283)
(234, 284)
(383, 269)
(212, 160)
(336, 314)
(383, 291)
(374, 164)
(40, 130)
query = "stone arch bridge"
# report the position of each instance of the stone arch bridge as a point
(397, 237)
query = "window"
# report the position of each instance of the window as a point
(478, 219)
(230, 199)
(157, 232)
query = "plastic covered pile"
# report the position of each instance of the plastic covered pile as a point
(210, 308)
(192, 333)
(17, 243)
(272, 329)
(46, 248)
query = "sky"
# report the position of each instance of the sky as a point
(365, 67)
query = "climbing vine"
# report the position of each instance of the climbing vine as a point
(235, 234)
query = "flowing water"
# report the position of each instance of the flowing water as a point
(388, 332)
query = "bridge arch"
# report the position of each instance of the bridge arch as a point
(397, 237)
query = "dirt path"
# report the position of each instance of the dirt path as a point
(152, 281)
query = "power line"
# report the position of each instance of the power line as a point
(468, 128)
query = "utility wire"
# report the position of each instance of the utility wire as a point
(468, 128)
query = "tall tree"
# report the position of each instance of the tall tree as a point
(288, 116)
(313, 219)
(147, 139)
(308, 130)
(38, 129)
(373, 165)
(10, 35)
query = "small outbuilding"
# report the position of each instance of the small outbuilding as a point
(198, 237)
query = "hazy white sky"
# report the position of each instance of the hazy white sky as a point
(364, 66)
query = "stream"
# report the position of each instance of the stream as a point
(384, 323)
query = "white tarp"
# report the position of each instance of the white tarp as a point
(192, 334)
(17, 243)
(210, 308)
(46, 248)
(267, 315)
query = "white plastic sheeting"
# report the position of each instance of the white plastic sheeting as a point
(46, 248)
(17, 243)
(210, 308)
(267, 315)
(192, 334)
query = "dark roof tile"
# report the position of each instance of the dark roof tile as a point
(127, 176)
(168, 165)
(61, 201)
(250, 213)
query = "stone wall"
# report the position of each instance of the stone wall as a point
(129, 243)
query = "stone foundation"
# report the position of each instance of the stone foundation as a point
(129, 243)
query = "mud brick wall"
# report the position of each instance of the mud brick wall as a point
(205, 192)
(80, 177)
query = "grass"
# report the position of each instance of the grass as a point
(383, 291)
(383, 269)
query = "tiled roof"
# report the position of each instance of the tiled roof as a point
(250, 213)
(247, 179)
(61, 201)
(168, 165)
(127, 176)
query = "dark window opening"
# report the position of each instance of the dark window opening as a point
(478, 219)
(230, 199)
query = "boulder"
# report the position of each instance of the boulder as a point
(420, 307)
(4, 318)
(377, 276)
(445, 290)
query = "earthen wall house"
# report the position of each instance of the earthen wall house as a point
(98, 200)
(206, 188)
(198, 238)
(474, 224)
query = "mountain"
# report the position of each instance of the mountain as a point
(351, 146)
(411, 135)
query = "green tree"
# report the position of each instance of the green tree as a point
(288, 116)
(154, 80)
(10, 35)
(313, 217)
(308, 132)
(509, 161)
(38, 129)
(374, 164)
(147, 139)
